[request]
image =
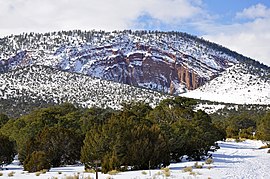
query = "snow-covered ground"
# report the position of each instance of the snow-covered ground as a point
(233, 160)
(236, 85)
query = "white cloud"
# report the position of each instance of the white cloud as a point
(250, 38)
(171, 10)
(253, 12)
(17, 16)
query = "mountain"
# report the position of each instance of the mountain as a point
(169, 62)
(36, 86)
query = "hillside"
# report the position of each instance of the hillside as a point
(168, 62)
(240, 84)
(36, 86)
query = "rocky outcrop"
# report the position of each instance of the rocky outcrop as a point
(148, 67)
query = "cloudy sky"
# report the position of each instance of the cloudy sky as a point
(241, 25)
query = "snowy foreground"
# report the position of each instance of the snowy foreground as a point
(232, 160)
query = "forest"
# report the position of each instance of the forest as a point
(133, 138)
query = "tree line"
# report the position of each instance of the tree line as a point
(136, 137)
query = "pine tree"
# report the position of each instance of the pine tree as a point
(37, 161)
(7, 150)
(263, 128)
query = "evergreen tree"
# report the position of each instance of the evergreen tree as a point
(3, 119)
(263, 132)
(37, 161)
(62, 145)
(7, 150)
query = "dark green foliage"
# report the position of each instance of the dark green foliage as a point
(37, 161)
(3, 119)
(188, 132)
(129, 138)
(263, 132)
(94, 117)
(139, 135)
(29, 132)
(240, 121)
(141, 145)
(62, 145)
(240, 126)
(7, 150)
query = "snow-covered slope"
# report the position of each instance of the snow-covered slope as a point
(233, 160)
(170, 62)
(240, 84)
(49, 85)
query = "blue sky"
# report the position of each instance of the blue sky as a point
(241, 25)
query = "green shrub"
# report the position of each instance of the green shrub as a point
(37, 161)
(7, 150)
(1, 174)
(59, 173)
(209, 161)
(38, 173)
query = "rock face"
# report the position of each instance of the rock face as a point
(167, 62)
(146, 70)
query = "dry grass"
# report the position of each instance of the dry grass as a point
(72, 177)
(113, 172)
(209, 161)
(166, 171)
(144, 172)
(196, 165)
(11, 174)
(188, 169)
(88, 177)
(90, 171)
(264, 147)
(44, 171)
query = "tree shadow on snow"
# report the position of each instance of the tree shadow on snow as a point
(235, 146)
